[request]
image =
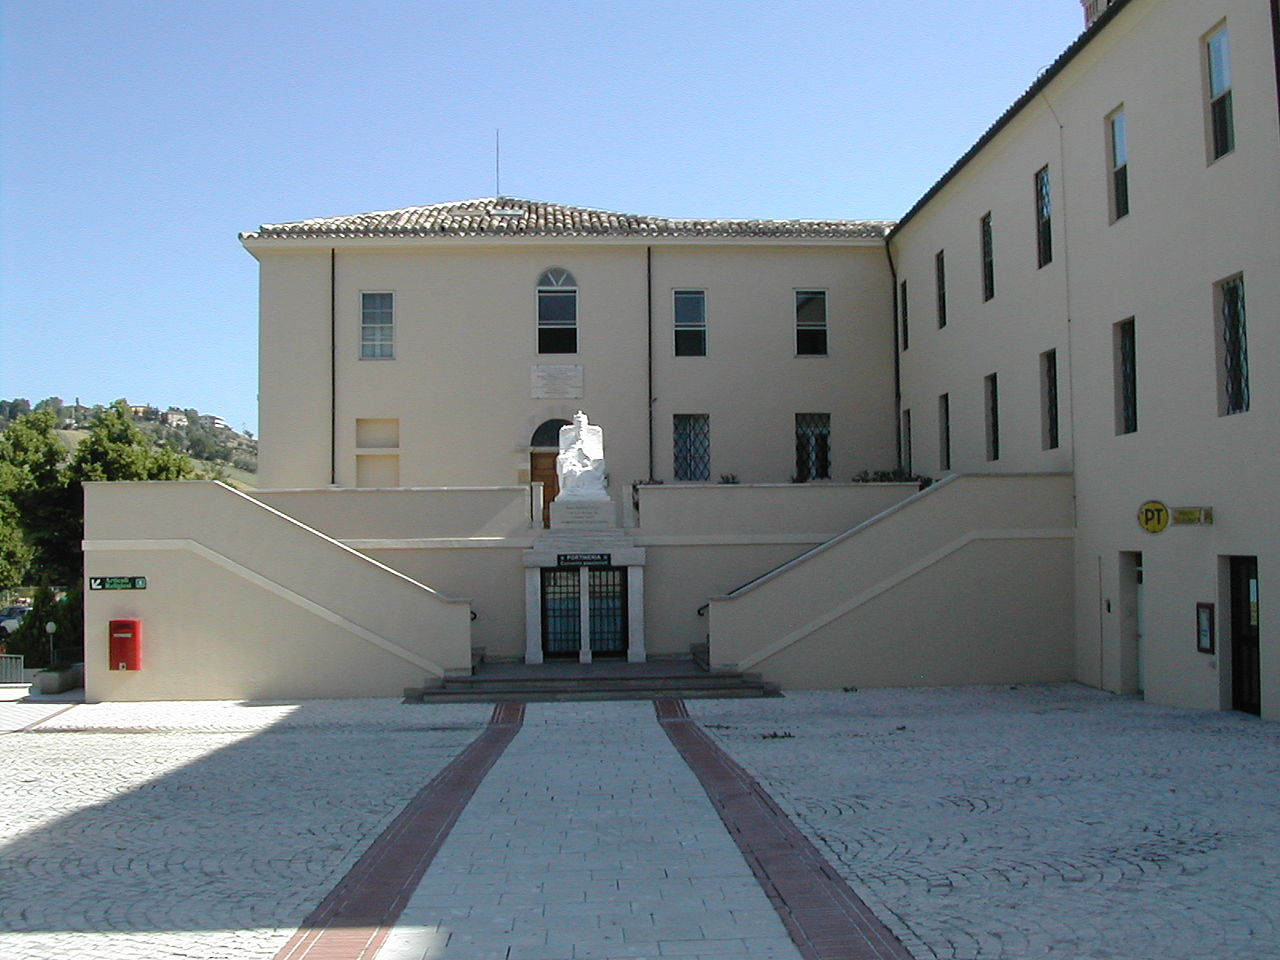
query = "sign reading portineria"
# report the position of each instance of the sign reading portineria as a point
(117, 583)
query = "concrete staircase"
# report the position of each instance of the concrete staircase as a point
(602, 680)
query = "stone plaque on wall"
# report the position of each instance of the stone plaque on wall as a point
(557, 381)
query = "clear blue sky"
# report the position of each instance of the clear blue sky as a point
(140, 137)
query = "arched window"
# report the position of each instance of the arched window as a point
(548, 434)
(557, 312)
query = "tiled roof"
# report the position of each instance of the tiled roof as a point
(513, 217)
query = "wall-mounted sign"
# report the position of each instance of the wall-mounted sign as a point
(117, 583)
(557, 381)
(1204, 628)
(1190, 516)
(584, 559)
(1153, 516)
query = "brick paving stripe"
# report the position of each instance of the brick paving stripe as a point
(826, 920)
(353, 921)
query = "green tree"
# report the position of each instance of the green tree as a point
(116, 449)
(35, 495)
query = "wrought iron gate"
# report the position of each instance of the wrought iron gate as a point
(608, 610)
(561, 612)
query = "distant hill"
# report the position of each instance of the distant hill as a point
(217, 448)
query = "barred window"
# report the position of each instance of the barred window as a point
(944, 431)
(557, 312)
(813, 446)
(1044, 218)
(1049, 400)
(940, 280)
(690, 323)
(902, 303)
(692, 443)
(811, 323)
(988, 258)
(991, 392)
(1126, 377)
(377, 326)
(1233, 347)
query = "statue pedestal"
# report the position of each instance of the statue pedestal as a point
(584, 514)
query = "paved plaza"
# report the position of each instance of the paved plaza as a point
(978, 823)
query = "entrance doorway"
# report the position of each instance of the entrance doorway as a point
(1246, 667)
(1131, 623)
(562, 620)
(544, 448)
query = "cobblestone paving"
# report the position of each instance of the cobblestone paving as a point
(589, 840)
(1031, 822)
(199, 830)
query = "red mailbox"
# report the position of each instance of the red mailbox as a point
(126, 645)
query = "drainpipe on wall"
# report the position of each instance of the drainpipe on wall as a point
(333, 367)
(1275, 42)
(648, 287)
(897, 365)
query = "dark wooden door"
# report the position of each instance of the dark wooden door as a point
(1246, 667)
(542, 469)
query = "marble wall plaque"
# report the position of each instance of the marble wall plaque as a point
(557, 381)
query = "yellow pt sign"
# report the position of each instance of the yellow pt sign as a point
(1153, 516)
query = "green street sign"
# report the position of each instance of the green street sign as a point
(117, 583)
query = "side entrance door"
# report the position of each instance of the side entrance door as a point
(1246, 673)
(542, 469)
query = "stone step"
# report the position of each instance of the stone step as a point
(614, 683)
(584, 693)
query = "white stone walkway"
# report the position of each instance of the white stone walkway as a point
(590, 839)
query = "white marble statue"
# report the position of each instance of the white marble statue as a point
(580, 465)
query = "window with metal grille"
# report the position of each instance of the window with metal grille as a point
(906, 440)
(557, 312)
(1118, 158)
(902, 303)
(1222, 133)
(944, 431)
(991, 393)
(692, 446)
(1044, 218)
(940, 280)
(1233, 348)
(988, 258)
(811, 323)
(1126, 377)
(813, 446)
(690, 323)
(1049, 400)
(377, 326)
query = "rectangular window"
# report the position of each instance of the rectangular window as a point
(988, 259)
(1222, 132)
(991, 398)
(1118, 161)
(557, 320)
(940, 279)
(692, 446)
(902, 302)
(1232, 347)
(1126, 376)
(811, 323)
(906, 440)
(377, 326)
(691, 323)
(1044, 218)
(813, 446)
(1049, 400)
(944, 431)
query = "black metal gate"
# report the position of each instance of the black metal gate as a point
(561, 612)
(607, 588)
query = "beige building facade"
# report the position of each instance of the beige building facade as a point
(1075, 329)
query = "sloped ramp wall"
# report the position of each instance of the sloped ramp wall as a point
(243, 602)
(967, 582)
